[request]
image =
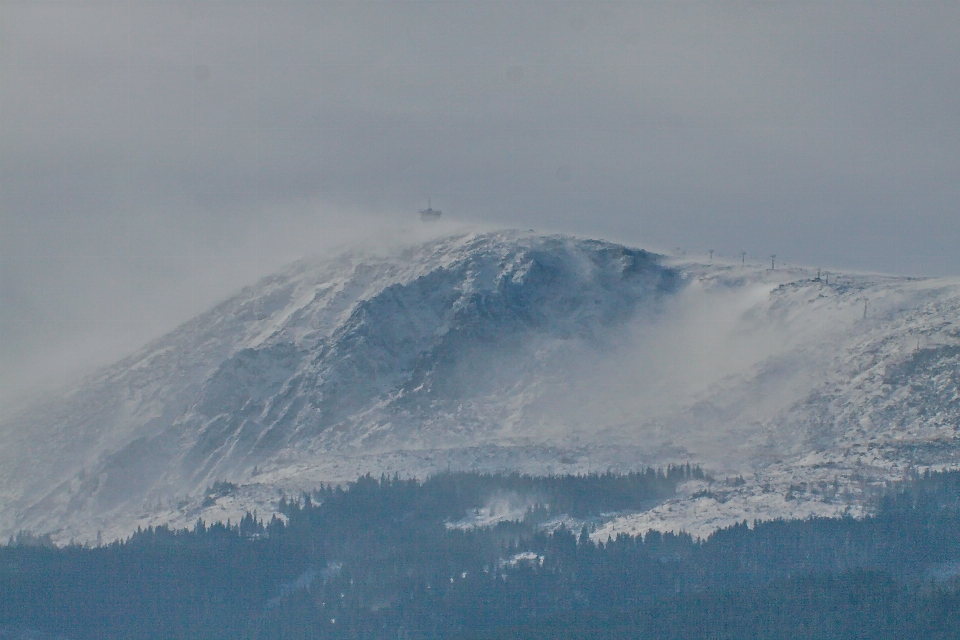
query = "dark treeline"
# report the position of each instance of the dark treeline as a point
(380, 559)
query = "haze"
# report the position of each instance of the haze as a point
(154, 157)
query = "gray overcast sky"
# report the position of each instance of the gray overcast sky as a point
(157, 156)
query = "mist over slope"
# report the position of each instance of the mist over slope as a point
(357, 354)
(499, 351)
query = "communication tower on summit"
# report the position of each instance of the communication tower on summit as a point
(430, 214)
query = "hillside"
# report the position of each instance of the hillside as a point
(503, 351)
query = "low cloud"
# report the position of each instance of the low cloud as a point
(157, 156)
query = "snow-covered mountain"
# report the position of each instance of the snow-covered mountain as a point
(506, 351)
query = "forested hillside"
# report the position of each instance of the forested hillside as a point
(446, 557)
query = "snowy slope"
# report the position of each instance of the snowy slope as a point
(878, 398)
(361, 353)
(507, 351)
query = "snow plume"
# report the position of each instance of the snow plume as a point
(328, 573)
(502, 507)
(730, 350)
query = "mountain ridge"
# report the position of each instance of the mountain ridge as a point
(302, 351)
(505, 350)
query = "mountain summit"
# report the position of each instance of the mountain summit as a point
(502, 351)
(356, 354)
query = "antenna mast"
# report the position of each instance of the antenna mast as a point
(430, 214)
